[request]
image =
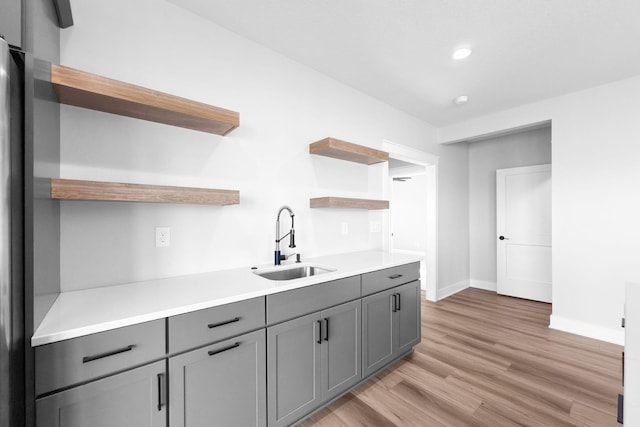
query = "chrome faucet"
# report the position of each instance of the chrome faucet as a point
(292, 233)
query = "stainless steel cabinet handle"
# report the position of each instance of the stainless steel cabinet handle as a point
(398, 302)
(160, 387)
(393, 303)
(319, 331)
(88, 359)
(226, 322)
(395, 276)
(231, 347)
(326, 329)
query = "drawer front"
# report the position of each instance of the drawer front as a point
(80, 359)
(298, 302)
(381, 280)
(203, 327)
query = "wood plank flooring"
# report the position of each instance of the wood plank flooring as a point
(488, 360)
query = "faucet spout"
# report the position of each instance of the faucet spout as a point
(292, 241)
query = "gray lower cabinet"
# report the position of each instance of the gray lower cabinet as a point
(273, 376)
(341, 348)
(408, 316)
(293, 369)
(220, 385)
(312, 359)
(377, 331)
(390, 325)
(135, 398)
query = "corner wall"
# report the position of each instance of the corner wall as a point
(596, 231)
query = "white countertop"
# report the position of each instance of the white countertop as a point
(89, 311)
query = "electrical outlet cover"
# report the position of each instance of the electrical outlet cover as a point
(163, 237)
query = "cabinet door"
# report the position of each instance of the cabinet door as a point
(222, 384)
(134, 398)
(407, 316)
(341, 359)
(377, 331)
(293, 369)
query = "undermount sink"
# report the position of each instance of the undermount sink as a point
(295, 271)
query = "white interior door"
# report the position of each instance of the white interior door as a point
(523, 213)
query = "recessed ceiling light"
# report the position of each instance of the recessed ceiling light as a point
(461, 53)
(462, 99)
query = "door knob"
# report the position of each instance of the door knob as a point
(503, 238)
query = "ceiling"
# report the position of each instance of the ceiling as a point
(399, 51)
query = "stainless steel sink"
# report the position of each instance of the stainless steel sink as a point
(293, 272)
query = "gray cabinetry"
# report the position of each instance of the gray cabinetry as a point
(222, 384)
(312, 359)
(211, 366)
(408, 316)
(390, 325)
(131, 397)
(379, 280)
(340, 348)
(77, 360)
(377, 331)
(135, 398)
(198, 328)
(293, 369)
(298, 302)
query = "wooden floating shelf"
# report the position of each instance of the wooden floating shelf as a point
(70, 189)
(82, 89)
(342, 202)
(344, 150)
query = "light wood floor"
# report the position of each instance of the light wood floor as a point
(488, 360)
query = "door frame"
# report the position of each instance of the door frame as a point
(430, 163)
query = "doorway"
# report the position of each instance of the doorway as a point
(412, 222)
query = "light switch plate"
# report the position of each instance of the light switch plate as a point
(345, 228)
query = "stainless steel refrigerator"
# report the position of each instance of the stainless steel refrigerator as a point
(12, 287)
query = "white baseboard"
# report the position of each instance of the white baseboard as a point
(587, 330)
(483, 284)
(447, 291)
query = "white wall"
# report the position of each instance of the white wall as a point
(524, 148)
(596, 202)
(283, 105)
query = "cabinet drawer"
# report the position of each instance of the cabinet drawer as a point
(298, 302)
(204, 327)
(381, 280)
(80, 359)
